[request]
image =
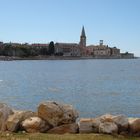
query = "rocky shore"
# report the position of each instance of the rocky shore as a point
(57, 118)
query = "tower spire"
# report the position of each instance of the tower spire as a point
(83, 38)
(83, 32)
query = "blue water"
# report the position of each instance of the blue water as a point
(93, 87)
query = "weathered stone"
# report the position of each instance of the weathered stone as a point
(66, 128)
(106, 118)
(57, 114)
(134, 126)
(95, 125)
(5, 111)
(121, 121)
(89, 125)
(85, 126)
(69, 114)
(35, 124)
(13, 121)
(108, 128)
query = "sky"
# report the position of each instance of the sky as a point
(117, 22)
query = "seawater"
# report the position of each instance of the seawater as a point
(94, 87)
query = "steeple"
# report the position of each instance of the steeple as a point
(83, 38)
(83, 32)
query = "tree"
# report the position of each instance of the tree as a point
(44, 51)
(51, 48)
(7, 50)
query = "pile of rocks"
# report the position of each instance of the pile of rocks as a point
(110, 124)
(51, 117)
(57, 118)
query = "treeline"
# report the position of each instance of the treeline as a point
(26, 50)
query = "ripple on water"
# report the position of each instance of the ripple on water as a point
(94, 87)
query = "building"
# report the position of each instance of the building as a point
(72, 49)
(82, 50)
(103, 51)
(127, 55)
(67, 49)
(39, 46)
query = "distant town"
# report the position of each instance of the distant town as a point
(13, 51)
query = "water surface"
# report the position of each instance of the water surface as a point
(94, 87)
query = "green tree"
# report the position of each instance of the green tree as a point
(51, 48)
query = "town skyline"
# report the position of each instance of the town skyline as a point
(43, 21)
(63, 50)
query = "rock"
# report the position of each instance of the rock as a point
(35, 124)
(106, 118)
(89, 125)
(69, 114)
(85, 126)
(66, 128)
(13, 121)
(95, 125)
(5, 111)
(122, 122)
(134, 126)
(7, 134)
(108, 128)
(57, 114)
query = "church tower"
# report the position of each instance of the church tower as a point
(83, 38)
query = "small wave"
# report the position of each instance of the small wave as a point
(1, 80)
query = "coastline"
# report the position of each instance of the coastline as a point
(52, 117)
(7, 58)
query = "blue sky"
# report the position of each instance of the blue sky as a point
(117, 22)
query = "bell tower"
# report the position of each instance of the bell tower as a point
(83, 38)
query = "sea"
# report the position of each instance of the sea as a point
(94, 87)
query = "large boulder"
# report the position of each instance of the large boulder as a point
(134, 126)
(89, 125)
(56, 113)
(108, 128)
(5, 111)
(122, 122)
(14, 120)
(35, 124)
(66, 128)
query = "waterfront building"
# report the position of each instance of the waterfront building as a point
(39, 46)
(67, 49)
(72, 49)
(103, 51)
(127, 55)
(81, 49)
